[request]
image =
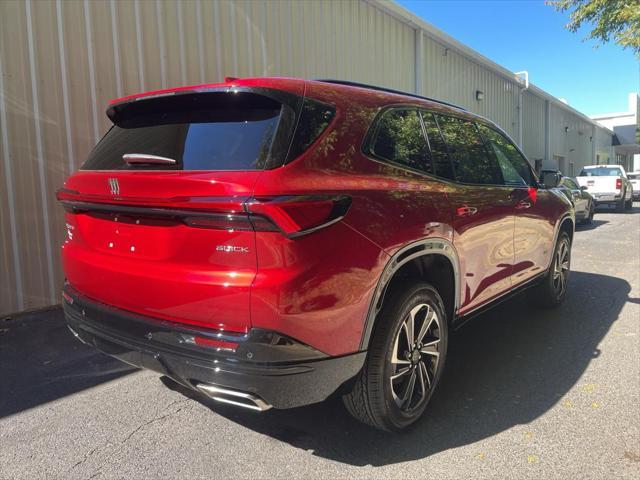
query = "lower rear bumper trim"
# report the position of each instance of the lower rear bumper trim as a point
(258, 386)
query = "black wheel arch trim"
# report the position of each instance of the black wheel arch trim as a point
(567, 216)
(420, 248)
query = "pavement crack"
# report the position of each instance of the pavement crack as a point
(131, 434)
(86, 457)
(142, 426)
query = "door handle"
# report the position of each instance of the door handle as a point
(466, 211)
(522, 205)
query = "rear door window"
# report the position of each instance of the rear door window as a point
(471, 161)
(219, 132)
(439, 157)
(398, 138)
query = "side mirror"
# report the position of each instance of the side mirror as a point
(551, 180)
(583, 188)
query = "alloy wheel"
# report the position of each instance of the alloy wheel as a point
(415, 358)
(561, 268)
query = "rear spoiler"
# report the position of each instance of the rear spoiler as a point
(195, 98)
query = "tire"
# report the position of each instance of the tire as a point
(589, 219)
(553, 288)
(620, 205)
(380, 401)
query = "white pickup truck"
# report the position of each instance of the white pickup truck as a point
(608, 184)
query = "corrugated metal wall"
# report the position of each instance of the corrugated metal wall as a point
(450, 76)
(571, 137)
(61, 61)
(533, 133)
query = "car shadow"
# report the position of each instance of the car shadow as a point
(40, 361)
(506, 368)
(582, 227)
(608, 209)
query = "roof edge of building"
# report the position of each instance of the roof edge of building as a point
(402, 14)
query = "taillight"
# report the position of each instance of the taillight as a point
(618, 183)
(299, 215)
(293, 215)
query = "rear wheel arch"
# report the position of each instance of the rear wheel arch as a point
(565, 223)
(434, 261)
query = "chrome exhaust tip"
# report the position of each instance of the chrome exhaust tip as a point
(233, 397)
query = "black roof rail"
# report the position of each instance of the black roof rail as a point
(388, 90)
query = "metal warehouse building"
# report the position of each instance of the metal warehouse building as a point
(61, 61)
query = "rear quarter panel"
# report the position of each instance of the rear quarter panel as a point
(318, 288)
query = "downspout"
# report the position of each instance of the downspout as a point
(547, 134)
(519, 76)
(419, 60)
(594, 133)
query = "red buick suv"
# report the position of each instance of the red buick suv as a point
(269, 242)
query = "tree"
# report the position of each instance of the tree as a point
(610, 19)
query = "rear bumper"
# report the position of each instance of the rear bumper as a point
(606, 198)
(265, 367)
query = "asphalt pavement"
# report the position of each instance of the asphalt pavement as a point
(527, 393)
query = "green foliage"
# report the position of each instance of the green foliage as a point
(609, 19)
(400, 139)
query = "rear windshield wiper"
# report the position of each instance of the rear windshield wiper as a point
(146, 159)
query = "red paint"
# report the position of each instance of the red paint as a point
(292, 85)
(211, 342)
(316, 288)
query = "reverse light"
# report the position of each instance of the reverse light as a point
(618, 184)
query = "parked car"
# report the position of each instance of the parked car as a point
(582, 201)
(634, 178)
(608, 184)
(269, 242)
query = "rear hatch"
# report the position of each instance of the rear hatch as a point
(155, 218)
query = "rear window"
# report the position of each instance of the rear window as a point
(601, 172)
(199, 132)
